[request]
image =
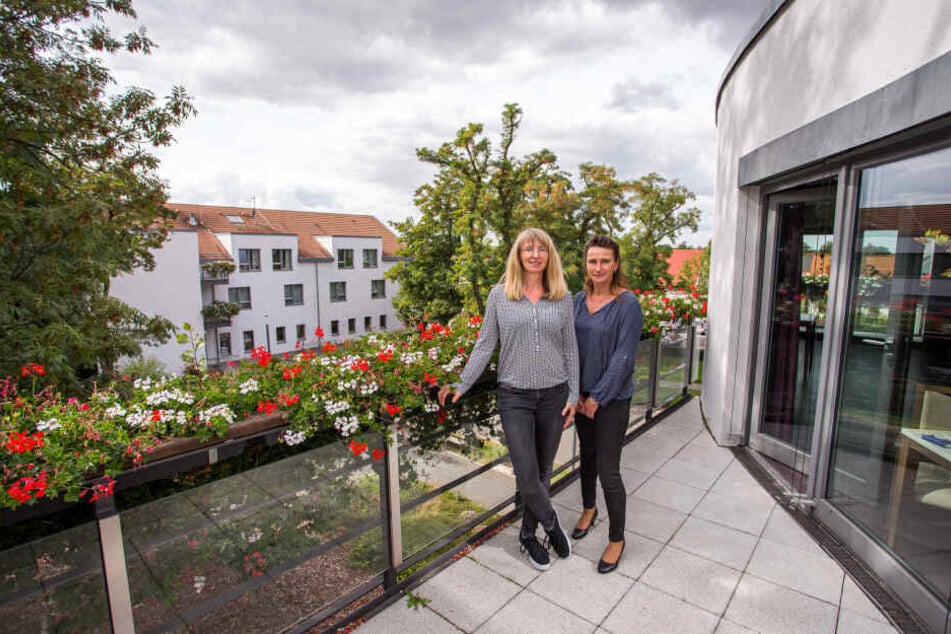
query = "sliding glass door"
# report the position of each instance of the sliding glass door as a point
(800, 230)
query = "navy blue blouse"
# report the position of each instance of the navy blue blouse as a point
(607, 346)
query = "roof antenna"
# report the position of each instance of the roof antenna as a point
(254, 204)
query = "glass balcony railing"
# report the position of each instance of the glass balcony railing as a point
(251, 535)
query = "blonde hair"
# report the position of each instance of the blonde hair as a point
(554, 277)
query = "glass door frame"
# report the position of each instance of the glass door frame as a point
(771, 198)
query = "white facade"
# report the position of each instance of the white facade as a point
(289, 294)
(171, 290)
(812, 59)
(834, 130)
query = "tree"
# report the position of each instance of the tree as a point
(659, 214)
(80, 201)
(488, 195)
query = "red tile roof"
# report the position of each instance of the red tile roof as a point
(679, 258)
(305, 225)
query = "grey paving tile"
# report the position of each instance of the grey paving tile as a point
(570, 496)
(639, 551)
(674, 495)
(819, 577)
(528, 613)
(705, 440)
(716, 542)
(652, 520)
(727, 627)
(642, 458)
(784, 529)
(575, 585)
(645, 609)
(689, 472)
(398, 618)
(737, 482)
(693, 579)
(502, 554)
(670, 434)
(746, 514)
(855, 600)
(767, 607)
(707, 455)
(466, 593)
(854, 623)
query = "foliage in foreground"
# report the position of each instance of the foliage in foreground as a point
(80, 198)
(52, 443)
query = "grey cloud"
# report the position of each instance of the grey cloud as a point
(313, 198)
(633, 94)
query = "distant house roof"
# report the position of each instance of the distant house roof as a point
(678, 259)
(210, 220)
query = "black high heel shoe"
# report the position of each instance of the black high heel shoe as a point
(605, 567)
(578, 533)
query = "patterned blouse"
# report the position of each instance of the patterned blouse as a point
(538, 345)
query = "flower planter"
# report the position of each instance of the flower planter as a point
(169, 447)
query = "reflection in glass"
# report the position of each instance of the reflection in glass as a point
(889, 473)
(797, 319)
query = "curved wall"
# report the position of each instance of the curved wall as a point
(813, 59)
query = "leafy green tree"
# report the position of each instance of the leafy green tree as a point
(660, 211)
(80, 201)
(427, 291)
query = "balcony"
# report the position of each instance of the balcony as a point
(311, 537)
(216, 272)
(219, 314)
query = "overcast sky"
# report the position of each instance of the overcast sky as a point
(319, 105)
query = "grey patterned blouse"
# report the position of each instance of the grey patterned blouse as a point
(538, 345)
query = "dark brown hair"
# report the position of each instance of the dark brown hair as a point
(619, 280)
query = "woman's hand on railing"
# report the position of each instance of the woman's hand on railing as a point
(444, 392)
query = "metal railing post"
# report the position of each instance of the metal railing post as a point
(652, 380)
(114, 568)
(393, 529)
(688, 374)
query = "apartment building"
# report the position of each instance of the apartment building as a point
(293, 271)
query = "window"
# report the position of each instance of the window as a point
(344, 258)
(224, 344)
(334, 328)
(367, 323)
(240, 295)
(281, 334)
(338, 291)
(300, 332)
(369, 259)
(293, 294)
(377, 289)
(351, 326)
(248, 336)
(249, 259)
(235, 220)
(383, 322)
(281, 259)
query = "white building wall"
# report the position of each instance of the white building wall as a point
(359, 304)
(172, 290)
(817, 56)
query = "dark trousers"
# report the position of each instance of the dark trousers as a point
(600, 441)
(532, 423)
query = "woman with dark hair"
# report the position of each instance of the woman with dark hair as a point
(529, 315)
(608, 322)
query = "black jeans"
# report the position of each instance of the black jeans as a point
(600, 441)
(532, 423)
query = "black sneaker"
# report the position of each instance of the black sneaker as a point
(537, 554)
(558, 540)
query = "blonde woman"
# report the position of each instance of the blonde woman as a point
(530, 316)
